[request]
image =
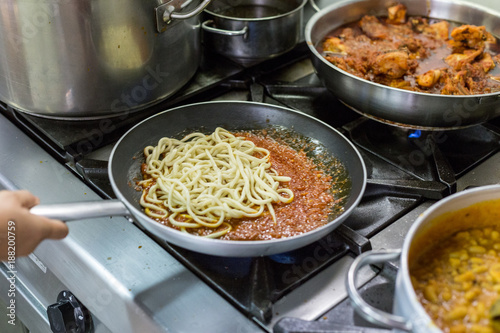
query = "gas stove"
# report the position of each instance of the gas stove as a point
(125, 280)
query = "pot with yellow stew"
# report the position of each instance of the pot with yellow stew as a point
(449, 275)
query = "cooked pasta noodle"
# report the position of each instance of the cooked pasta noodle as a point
(203, 180)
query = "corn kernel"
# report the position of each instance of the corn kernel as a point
(479, 269)
(466, 285)
(446, 295)
(430, 294)
(456, 313)
(481, 329)
(458, 329)
(455, 254)
(473, 317)
(462, 235)
(475, 260)
(467, 276)
(483, 241)
(495, 272)
(475, 249)
(471, 294)
(454, 262)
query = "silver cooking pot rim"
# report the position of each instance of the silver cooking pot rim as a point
(251, 19)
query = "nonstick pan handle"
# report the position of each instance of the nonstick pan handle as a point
(81, 210)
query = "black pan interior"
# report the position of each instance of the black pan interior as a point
(251, 9)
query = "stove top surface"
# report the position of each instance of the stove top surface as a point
(120, 271)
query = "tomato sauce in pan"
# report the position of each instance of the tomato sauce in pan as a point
(314, 197)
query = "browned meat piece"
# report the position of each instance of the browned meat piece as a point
(469, 36)
(392, 64)
(487, 62)
(418, 24)
(401, 84)
(334, 45)
(347, 34)
(373, 28)
(475, 79)
(357, 68)
(455, 85)
(396, 14)
(416, 48)
(458, 60)
(440, 30)
(470, 80)
(429, 79)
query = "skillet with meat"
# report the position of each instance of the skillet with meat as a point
(417, 53)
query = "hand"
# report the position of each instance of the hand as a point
(20, 231)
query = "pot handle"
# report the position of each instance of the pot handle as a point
(314, 5)
(81, 210)
(166, 12)
(370, 313)
(207, 26)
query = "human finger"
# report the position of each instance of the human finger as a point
(26, 198)
(54, 229)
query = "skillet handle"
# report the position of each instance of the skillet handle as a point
(368, 312)
(81, 210)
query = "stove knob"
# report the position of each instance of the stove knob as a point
(68, 315)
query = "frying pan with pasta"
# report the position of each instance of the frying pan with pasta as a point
(127, 156)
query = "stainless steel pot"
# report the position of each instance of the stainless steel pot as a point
(127, 156)
(88, 59)
(396, 106)
(409, 315)
(250, 31)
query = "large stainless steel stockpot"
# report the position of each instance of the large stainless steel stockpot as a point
(250, 31)
(409, 315)
(86, 59)
(397, 106)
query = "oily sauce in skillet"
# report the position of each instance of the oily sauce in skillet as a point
(317, 194)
